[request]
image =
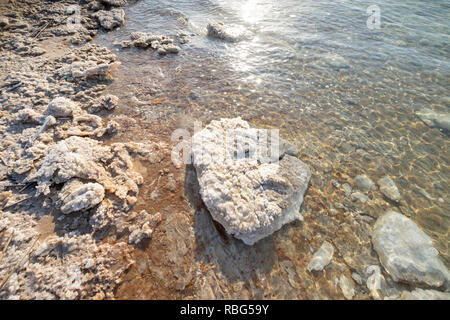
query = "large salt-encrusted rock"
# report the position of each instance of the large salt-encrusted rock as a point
(406, 252)
(251, 196)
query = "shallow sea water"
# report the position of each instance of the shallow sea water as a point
(344, 94)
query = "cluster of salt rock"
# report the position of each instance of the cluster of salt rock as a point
(77, 161)
(50, 143)
(82, 176)
(110, 19)
(405, 252)
(42, 276)
(161, 43)
(98, 181)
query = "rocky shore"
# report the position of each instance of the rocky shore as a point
(90, 210)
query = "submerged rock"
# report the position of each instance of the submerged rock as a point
(389, 189)
(322, 257)
(335, 61)
(434, 119)
(347, 287)
(359, 196)
(406, 252)
(171, 48)
(161, 51)
(364, 183)
(73, 157)
(110, 19)
(357, 278)
(143, 229)
(115, 3)
(250, 198)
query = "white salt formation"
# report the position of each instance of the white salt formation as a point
(250, 198)
(347, 287)
(106, 102)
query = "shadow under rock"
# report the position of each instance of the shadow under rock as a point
(229, 262)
